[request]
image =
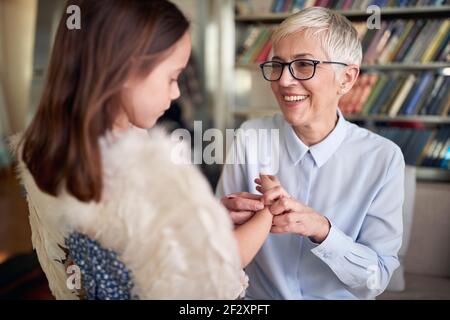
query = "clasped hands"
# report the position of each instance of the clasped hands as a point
(289, 215)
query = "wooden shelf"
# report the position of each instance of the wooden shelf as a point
(407, 66)
(257, 112)
(415, 118)
(404, 13)
(381, 67)
(432, 174)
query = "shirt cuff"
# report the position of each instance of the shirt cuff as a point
(336, 244)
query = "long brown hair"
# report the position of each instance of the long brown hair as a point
(82, 96)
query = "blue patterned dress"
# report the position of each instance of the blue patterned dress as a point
(104, 277)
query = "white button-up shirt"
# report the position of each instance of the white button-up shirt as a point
(353, 177)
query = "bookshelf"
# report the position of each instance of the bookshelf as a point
(383, 67)
(247, 95)
(387, 13)
(430, 120)
(433, 175)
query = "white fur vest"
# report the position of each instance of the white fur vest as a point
(159, 217)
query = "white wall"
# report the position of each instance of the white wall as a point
(429, 247)
(193, 10)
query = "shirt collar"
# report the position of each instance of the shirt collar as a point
(320, 152)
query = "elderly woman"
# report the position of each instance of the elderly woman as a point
(337, 224)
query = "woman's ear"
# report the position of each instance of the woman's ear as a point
(348, 78)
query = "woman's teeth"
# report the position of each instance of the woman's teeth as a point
(294, 98)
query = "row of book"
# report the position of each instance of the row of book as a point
(406, 41)
(421, 147)
(256, 46)
(399, 93)
(244, 7)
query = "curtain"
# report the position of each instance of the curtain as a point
(4, 118)
(17, 32)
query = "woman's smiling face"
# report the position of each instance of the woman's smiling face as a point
(305, 101)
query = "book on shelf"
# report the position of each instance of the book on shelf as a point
(377, 89)
(256, 47)
(354, 103)
(399, 94)
(248, 40)
(246, 7)
(288, 6)
(400, 41)
(436, 154)
(421, 147)
(406, 41)
(417, 91)
(437, 104)
(432, 95)
(384, 93)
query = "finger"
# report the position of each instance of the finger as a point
(265, 182)
(276, 229)
(260, 189)
(242, 204)
(279, 221)
(286, 219)
(274, 179)
(291, 228)
(241, 217)
(284, 205)
(274, 194)
(247, 195)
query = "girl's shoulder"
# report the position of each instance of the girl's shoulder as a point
(148, 159)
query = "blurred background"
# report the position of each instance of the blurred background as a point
(222, 87)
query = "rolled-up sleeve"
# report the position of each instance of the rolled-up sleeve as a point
(365, 265)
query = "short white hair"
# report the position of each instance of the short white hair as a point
(338, 38)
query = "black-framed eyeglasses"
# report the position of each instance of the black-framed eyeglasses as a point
(300, 69)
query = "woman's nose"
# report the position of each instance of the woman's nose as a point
(287, 79)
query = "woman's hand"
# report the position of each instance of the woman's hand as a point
(291, 216)
(271, 189)
(242, 206)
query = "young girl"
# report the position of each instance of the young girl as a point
(112, 216)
